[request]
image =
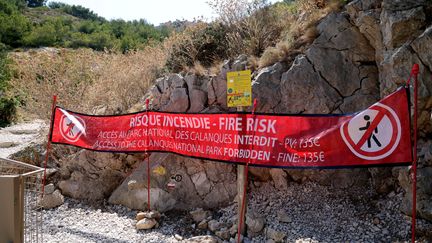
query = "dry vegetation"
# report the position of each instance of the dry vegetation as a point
(300, 19)
(111, 83)
(84, 80)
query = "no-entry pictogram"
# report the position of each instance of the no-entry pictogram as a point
(71, 127)
(372, 134)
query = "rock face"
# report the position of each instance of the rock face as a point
(401, 34)
(203, 184)
(360, 55)
(93, 175)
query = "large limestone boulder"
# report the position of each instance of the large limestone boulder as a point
(91, 175)
(177, 183)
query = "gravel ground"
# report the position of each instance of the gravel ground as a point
(76, 221)
(316, 214)
(16, 137)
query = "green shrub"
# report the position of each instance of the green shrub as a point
(7, 105)
(76, 10)
(13, 25)
(52, 32)
(7, 110)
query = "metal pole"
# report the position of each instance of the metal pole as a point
(48, 148)
(414, 72)
(148, 163)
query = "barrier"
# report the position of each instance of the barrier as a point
(21, 192)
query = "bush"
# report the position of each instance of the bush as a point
(13, 25)
(252, 26)
(35, 3)
(7, 105)
(7, 110)
(202, 43)
(76, 10)
(52, 32)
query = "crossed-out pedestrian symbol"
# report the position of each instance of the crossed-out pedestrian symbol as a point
(71, 126)
(372, 134)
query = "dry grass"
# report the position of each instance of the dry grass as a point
(303, 16)
(197, 69)
(84, 80)
(252, 26)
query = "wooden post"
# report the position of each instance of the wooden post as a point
(241, 195)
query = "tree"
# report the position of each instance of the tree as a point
(36, 3)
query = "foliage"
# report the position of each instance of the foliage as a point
(7, 105)
(48, 28)
(202, 43)
(35, 3)
(51, 33)
(76, 10)
(13, 25)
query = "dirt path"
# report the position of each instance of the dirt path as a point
(16, 137)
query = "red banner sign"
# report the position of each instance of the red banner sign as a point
(377, 135)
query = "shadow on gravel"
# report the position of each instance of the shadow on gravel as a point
(87, 235)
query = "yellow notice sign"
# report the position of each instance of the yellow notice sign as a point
(239, 90)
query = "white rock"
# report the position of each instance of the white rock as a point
(52, 200)
(146, 223)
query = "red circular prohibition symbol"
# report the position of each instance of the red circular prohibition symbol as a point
(72, 127)
(372, 134)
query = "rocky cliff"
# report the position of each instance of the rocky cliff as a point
(360, 55)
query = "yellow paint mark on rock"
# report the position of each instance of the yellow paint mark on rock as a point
(159, 170)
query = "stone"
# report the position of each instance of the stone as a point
(52, 200)
(255, 222)
(140, 215)
(234, 229)
(178, 237)
(376, 221)
(266, 86)
(400, 5)
(422, 46)
(220, 195)
(275, 235)
(145, 224)
(49, 189)
(202, 184)
(302, 83)
(7, 144)
(198, 100)
(283, 217)
(199, 214)
(202, 239)
(214, 225)
(395, 69)
(90, 175)
(203, 224)
(179, 101)
(400, 26)
(149, 215)
(280, 178)
(424, 192)
(223, 234)
(260, 173)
